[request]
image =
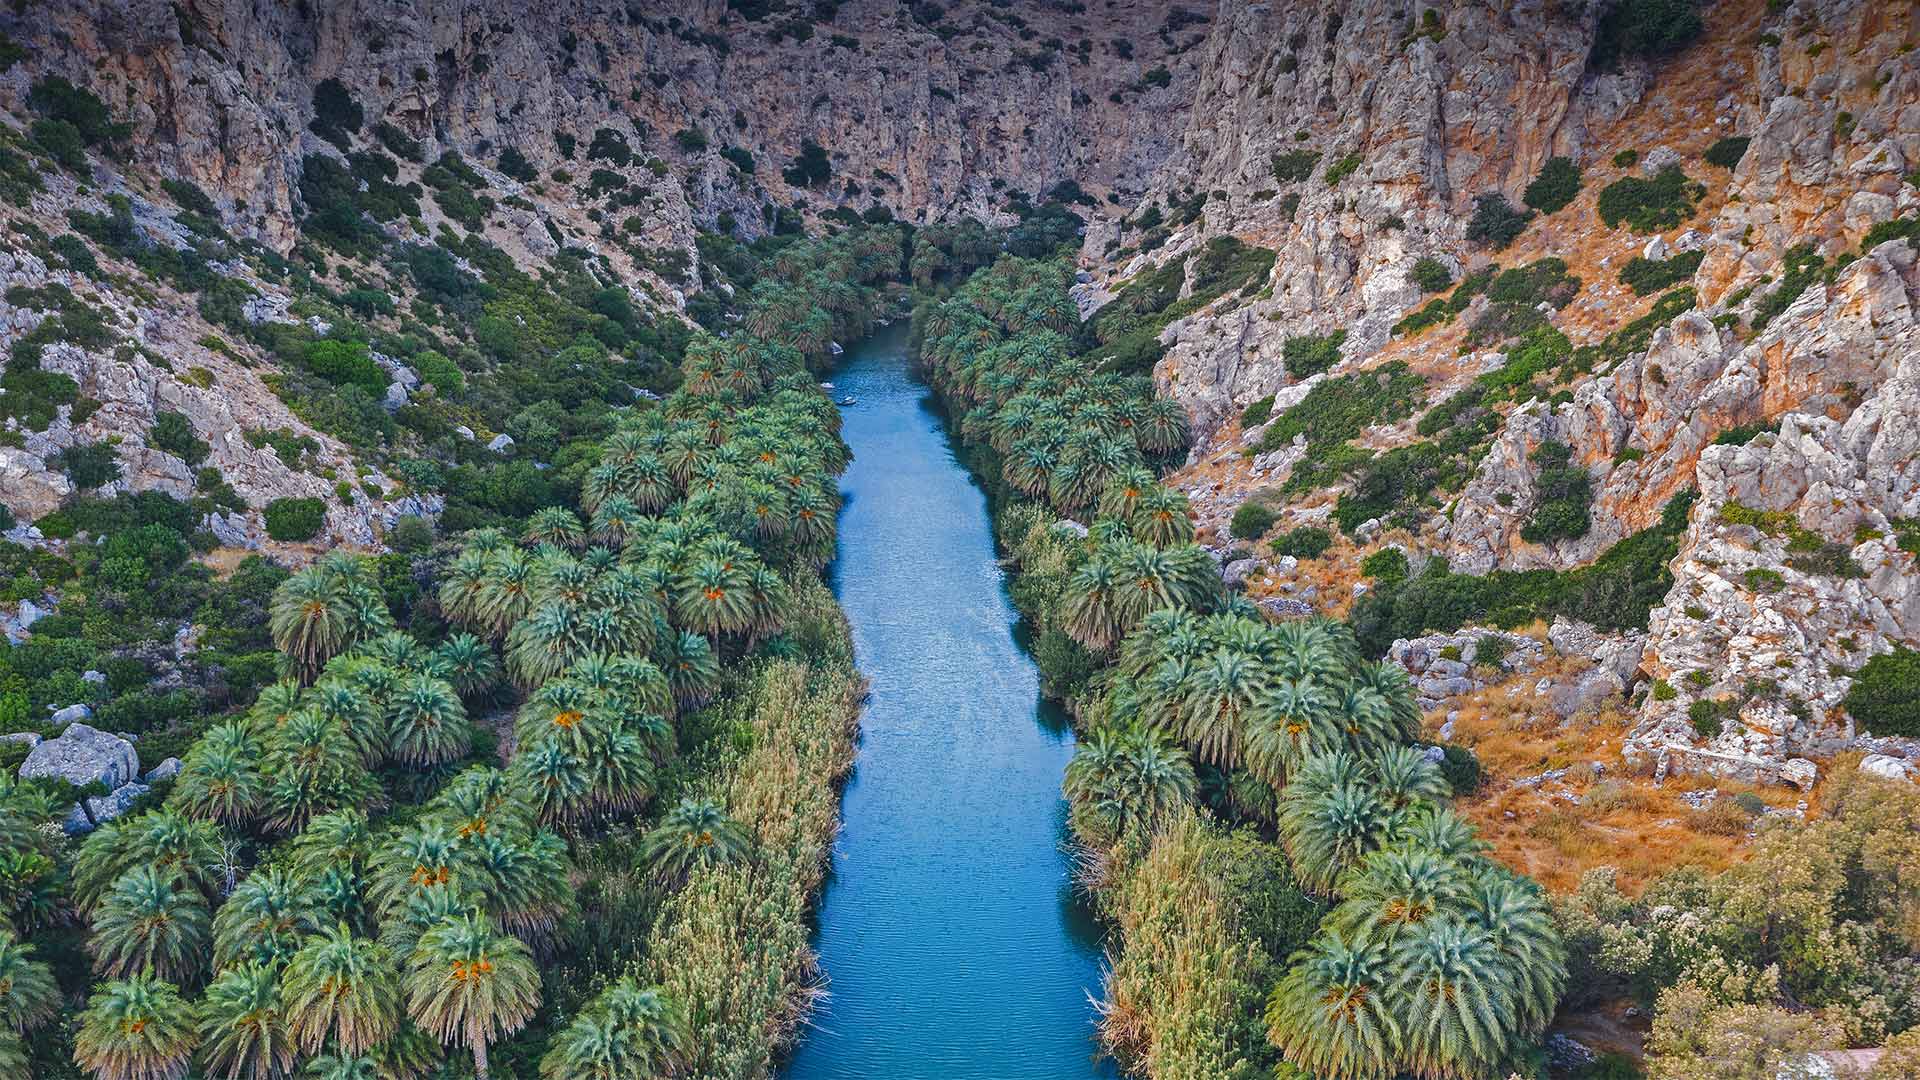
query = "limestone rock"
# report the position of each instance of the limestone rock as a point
(82, 755)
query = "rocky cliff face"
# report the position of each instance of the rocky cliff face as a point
(1351, 139)
(1413, 115)
(930, 111)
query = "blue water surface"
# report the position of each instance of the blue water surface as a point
(952, 942)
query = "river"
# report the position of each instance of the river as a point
(949, 933)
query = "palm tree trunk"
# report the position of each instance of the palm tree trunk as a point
(480, 1058)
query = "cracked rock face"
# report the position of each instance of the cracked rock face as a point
(1772, 635)
(1668, 404)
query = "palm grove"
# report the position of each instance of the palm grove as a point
(346, 881)
(1374, 938)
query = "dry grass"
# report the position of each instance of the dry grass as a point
(1558, 830)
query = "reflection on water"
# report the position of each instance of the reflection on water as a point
(953, 945)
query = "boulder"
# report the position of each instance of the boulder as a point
(31, 739)
(500, 444)
(83, 755)
(70, 715)
(166, 770)
(1887, 767)
(105, 808)
(1235, 573)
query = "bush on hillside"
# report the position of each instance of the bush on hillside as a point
(1885, 697)
(293, 520)
(1649, 204)
(1648, 29)
(1431, 275)
(1727, 152)
(1555, 187)
(1311, 354)
(1252, 520)
(1495, 223)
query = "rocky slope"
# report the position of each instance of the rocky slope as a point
(1352, 140)
(1416, 114)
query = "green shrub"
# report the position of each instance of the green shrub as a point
(515, 164)
(59, 100)
(1648, 205)
(1461, 769)
(346, 363)
(1257, 413)
(1311, 354)
(1664, 691)
(1885, 696)
(1648, 276)
(1727, 152)
(173, 432)
(439, 372)
(89, 465)
(1342, 169)
(810, 167)
(1645, 28)
(739, 158)
(1389, 564)
(1294, 165)
(1804, 266)
(691, 139)
(1555, 187)
(1762, 580)
(335, 114)
(1252, 520)
(1431, 275)
(293, 520)
(1495, 223)
(1305, 542)
(1709, 716)
(1565, 497)
(411, 534)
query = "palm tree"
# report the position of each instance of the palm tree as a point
(1328, 829)
(420, 857)
(220, 781)
(544, 643)
(340, 840)
(694, 834)
(313, 767)
(429, 723)
(1161, 519)
(1330, 1014)
(1459, 996)
(309, 618)
(1090, 614)
(322, 610)
(554, 525)
(507, 592)
(1222, 692)
(462, 583)
(1162, 428)
(340, 988)
(180, 848)
(1388, 891)
(558, 777)
(470, 985)
(265, 920)
(148, 922)
(1515, 914)
(1292, 723)
(627, 1033)
(1128, 781)
(691, 668)
(469, 664)
(339, 699)
(1404, 776)
(342, 1067)
(28, 995)
(139, 1028)
(243, 1028)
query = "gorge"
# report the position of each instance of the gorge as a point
(828, 538)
